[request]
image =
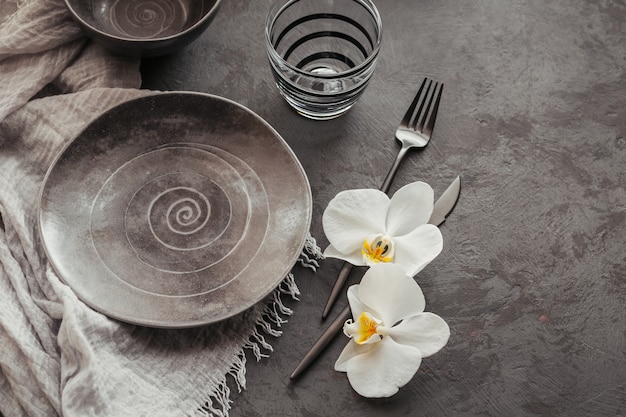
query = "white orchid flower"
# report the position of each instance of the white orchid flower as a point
(366, 227)
(390, 333)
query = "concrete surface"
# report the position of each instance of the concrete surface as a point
(532, 275)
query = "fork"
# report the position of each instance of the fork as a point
(414, 132)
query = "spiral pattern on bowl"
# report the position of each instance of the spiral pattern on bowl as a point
(148, 19)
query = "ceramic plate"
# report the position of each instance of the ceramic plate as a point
(175, 210)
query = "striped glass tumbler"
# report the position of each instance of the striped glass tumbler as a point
(322, 52)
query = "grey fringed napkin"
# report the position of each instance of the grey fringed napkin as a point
(57, 356)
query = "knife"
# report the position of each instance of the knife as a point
(442, 208)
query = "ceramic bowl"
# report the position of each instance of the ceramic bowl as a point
(143, 28)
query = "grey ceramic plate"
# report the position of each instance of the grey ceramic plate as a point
(175, 210)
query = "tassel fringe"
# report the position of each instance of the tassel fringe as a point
(268, 324)
(311, 249)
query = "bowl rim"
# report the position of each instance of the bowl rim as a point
(208, 15)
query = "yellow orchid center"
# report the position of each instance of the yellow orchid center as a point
(377, 248)
(364, 329)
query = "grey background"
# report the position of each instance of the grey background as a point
(531, 278)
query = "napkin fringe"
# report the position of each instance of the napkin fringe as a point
(219, 403)
(272, 317)
(311, 248)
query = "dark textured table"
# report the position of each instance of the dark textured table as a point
(531, 278)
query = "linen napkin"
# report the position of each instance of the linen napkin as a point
(57, 356)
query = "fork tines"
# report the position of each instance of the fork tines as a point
(426, 102)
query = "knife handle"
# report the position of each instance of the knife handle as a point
(337, 288)
(326, 337)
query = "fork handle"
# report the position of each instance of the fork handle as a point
(394, 168)
(337, 288)
(347, 267)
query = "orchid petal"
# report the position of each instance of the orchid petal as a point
(425, 331)
(391, 293)
(355, 257)
(417, 249)
(351, 350)
(353, 215)
(381, 370)
(410, 206)
(356, 305)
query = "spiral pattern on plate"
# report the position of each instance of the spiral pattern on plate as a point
(147, 19)
(187, 213)
(181, 221)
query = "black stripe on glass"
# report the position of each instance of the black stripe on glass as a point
(324, 16)
(322, 35)
(319, 55)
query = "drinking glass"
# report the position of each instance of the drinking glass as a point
(322, 52)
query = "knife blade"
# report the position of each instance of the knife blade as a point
(446, 202)
(441, 210)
